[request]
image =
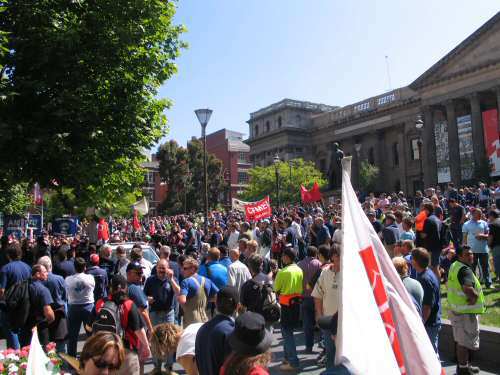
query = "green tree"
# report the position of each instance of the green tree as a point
(263, 181)
(15, 199)
(85, 77)
(182, 170)
(368, 175)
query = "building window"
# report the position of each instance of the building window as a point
(279, 122)
(371, 156)
(395, 154)
(256, 130)
(243, 157)
(268, 126)
(299, 149)
(415, 154)
(242, 178)
(397, 186)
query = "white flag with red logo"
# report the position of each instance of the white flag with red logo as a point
(379, 329)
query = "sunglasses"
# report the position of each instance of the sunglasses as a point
(101, 365)
(186, 268)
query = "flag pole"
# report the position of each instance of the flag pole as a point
(346, 165)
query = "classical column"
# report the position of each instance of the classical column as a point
(381, 151)
(402, 159)
(453, 143)
(477, 129)
(429, 149)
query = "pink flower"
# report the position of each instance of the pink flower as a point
(24, 353)
(24, 365)
(8, 351)
(1, 367)
(27, 348)
(50, 346)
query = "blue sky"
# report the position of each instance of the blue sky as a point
(245, 55)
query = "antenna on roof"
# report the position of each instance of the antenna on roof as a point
(388, 72)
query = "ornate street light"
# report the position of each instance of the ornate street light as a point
(419, 125)
(203, 117)
(276, 161)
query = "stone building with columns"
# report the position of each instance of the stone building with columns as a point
(458, 99)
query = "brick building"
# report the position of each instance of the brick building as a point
(228, 146)
(154, 189)
(458, 99)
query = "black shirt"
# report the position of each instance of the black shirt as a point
(432, 227)
(495, 232)
(456, 214)
(65, 268)
(465, 275)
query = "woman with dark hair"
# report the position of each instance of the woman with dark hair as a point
(103, 353)
(250, 342)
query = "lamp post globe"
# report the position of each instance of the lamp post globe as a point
(419, 125)
(203, 116)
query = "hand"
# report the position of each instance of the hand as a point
(151, 300)
(170, 274)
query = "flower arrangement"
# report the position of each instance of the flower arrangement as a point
(15, 362)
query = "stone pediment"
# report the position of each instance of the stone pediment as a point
(479, 50)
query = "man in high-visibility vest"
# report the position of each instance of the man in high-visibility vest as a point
(466, 300)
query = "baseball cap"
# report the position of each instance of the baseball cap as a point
(134, 266)
(94, 259)
(228, 293)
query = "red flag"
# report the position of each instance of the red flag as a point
(309, 196)
(259, 210)
(384, 334)
(135, 222)
(37, 194)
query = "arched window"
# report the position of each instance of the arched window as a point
(279, 122)
(371, 156)
(256, 132)
(268, 126)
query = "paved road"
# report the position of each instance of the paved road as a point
(308, 362)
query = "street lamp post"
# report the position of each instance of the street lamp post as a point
(419, 125)
(357, 148)
(276, 161)
(290, 165)
(203, 117)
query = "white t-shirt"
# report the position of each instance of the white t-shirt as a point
(80, 288)
(187, 341)
(326, 289)
(232, 241)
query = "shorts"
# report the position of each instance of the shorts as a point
(465, 330)
(435, 257)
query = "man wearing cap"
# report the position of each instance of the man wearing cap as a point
(135, 293)
(100, 277)
(390, 234)
(288, 285)
(216, 331)
(377, 226)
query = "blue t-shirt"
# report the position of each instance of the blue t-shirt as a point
(57, 289)
(101, 282)
(39, 298)
(189, 287)
(472, 228)
(14, 272)
(412, 272)
(322, 235)
(210, 358)
(432, 296)
(136, 294)
(410, 235)
(216, 272)
(65, 268)
(162, 292)
(226, 262)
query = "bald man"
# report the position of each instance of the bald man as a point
(238, 272)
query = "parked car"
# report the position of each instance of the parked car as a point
(147, 251)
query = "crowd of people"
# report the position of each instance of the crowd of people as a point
(212, 300)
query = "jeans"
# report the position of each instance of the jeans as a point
(483, 260)
(433, 333)
(329, 349)
(496, 260)
(77, 314)
(10, 335)
(456, 237)
(308, 321)
(289, 346)
(159, 317)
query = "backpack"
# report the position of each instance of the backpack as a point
(269, 308)
(108, 319)
(18, 304)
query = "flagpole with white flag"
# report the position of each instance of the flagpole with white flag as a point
(379, 329)
(37, 359)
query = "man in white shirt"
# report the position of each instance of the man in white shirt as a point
(232, 241)
(238, 272)
(80, 291)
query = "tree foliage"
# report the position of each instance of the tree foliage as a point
(368, 174)
(263, 181)
(14, 199)
(182, 170)
(79, 103)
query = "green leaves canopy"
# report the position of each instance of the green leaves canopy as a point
(182, 170)
(263, 181)
(82, 79)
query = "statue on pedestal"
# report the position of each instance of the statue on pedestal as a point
(335, 173)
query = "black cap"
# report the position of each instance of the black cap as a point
(250, 336)
(136, 266)
(228, 293)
